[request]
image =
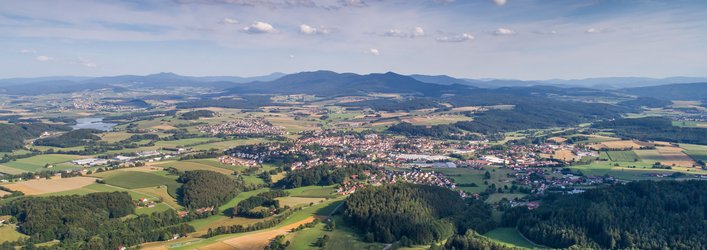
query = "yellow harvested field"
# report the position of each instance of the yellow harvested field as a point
(9, 170)
(436, 119)
(297, 201)
(148, 168)
(43, 186)
(466, 108)
(564, 154)
(3, 193)
(557, 139)
(163, 127)
(624, 144)
(675, 155)
(254, 241)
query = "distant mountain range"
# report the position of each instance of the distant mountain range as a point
(328, 83)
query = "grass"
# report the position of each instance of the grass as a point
(622, 156)
(9, 233)
(194, 165)
(35, 163)
(184, 142)
(134, 179)
(229, 144)
(159, 207)
(696, 152)
(161, 192)
(511, 236)
(96, 188)
(342, 237)
(312, 192)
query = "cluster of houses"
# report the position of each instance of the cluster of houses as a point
(248, 127)
(235, 161)
(416, 176)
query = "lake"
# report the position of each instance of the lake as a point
(93, 123)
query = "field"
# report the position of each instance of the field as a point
(35, 163)
(511, 236)
(616, 145)
(9, 233)
(193, 165)
(436, 119)
(312, 192)
(298, 201)
(621, 156)
(564, 154)
(671, 156)
(696, 152)
(43, 186)
(134, 179)
(222, 145)
(161, 192)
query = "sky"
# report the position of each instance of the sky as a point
(508, 39)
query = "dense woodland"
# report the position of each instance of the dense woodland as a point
(322, 176)
(266, 200)
(420, 213)
(196, 114)
(642, 215)
(12, 136)
(648, 102)
(69, 139)
(203, 188)
(655, 128)
(395, 105)
(92, 221)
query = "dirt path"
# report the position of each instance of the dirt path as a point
(255, 240)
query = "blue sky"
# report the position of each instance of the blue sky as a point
(521, 39)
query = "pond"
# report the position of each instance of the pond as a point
(93, 123)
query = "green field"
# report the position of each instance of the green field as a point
(184, 142)
(621, 156)
(159, 207)
(9, 233)
(342, 237)
(312, 192)
(35, 163)
(696, 152)
(229, 144)
(135, 179)
(511, 236)
(196, 165)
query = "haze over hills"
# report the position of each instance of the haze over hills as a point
(329, 83)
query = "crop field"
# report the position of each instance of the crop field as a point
(467, 176)
(696, 152)
(159, 207)
(298, 201)
(3, 193)
(184, 142)
(436, 119)
(34, 163)
(625, 144)
(115, 136)
(622, 156)
(134, 179)
(222, 145)
(192, 165)
(44, 186)
(667, 156)
(564, 154)
(511, 236)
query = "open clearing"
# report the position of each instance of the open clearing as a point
(161, 192)
(44, 186)
(133, 180)
(564, 154)
(3, 193)
(298, 201)
(9, 233)
(436, 119)
(509, 235)
(666, 156)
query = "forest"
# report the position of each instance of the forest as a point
(419, 213)
(92, 221)
(12, 136)
(395, 105)
(69, 139)
(655, 128)
(198, 189)
(266, 200)
(322, 175)
(640, 215)
(196, 114)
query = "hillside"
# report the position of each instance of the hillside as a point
(683, 91)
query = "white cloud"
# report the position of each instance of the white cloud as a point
(504, 32)
(309, 30)
(259, 28)
(86, 62)
(418, 31)
(499, 2)
(372, 51)
(43, 58)
(227, 20)
(291, 56)
(355, 3)
(455, 38)
(596, 30)
(28, 51)
(415, 32)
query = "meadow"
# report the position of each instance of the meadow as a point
(37, 162)
(510, 236)
(136, 179)
(621, 156)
